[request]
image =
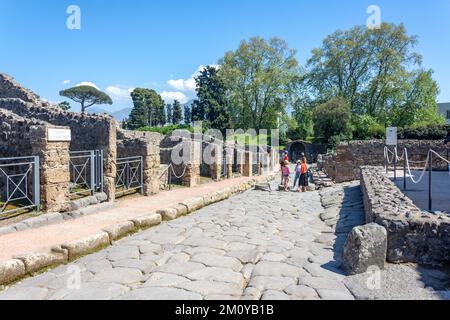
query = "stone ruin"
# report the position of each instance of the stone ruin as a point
(344, 165)
(137, 160)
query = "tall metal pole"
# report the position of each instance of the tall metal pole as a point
(404, 170)
(430, 184)
(36, 183)
(395, 164)
(386, 162)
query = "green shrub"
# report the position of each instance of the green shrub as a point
(366, 127)
(433, 132)
(166, 130)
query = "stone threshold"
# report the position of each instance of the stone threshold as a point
(29, 264)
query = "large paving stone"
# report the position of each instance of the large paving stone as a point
(322, 283)
(181, 268)
(91, 291)
(159, 279)
(217, 274)
(276, 269)
(272, 283)
(162, 294)
(206, 288)
(118, 275)
(218, 261)
(301, 292)
(334, 295)
(21, 293)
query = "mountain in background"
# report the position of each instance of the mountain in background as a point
(124, 113)
(118, 115)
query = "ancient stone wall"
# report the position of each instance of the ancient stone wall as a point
(149, 152)
(187, 166)
(350, 156)
(15, 134)
(54, 169)
(413, 235)
(21, 137)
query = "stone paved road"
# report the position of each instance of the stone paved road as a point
(257, 245)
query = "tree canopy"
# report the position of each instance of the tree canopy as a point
(148, 109)
(87, 96)
(260, 77)
(376, 71)
(212, 104)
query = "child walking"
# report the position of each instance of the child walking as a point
(286, 174)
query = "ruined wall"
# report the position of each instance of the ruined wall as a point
(350, 156)
(178, 144)
(21, 137)
(147, 147)
(413, 235)
(15, 134)
(89, 132)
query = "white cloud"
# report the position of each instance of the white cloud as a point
(183, 85)
(66, 81)
(169, 97)
(87, 83)
(188, 84)
(119, 93)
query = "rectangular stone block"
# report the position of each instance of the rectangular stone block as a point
(11, 270)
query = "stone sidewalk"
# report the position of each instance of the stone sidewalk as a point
(42, 247)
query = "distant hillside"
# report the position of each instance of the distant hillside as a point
(118, 115)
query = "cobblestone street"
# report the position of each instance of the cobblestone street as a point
(257, 245)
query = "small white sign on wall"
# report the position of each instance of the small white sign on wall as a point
(391, 136)
(59, 135)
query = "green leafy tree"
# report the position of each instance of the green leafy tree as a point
(198, 111)
(86, 96)
(169, 113)
(65, 105)
(212, 99)
(187, 114)
(303, 115)
(177, 113)
(332, 120)
(376, 71)
(261, 77)
(148, 109)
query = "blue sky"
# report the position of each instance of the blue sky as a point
(160, 44)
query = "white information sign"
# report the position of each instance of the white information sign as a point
(59, 135)
(391, 136)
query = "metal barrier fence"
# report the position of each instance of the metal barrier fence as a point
(86, 172)
(427, 167)
(130, 175)
(19, 184)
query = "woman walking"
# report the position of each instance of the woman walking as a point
(298, 171)
(303, 176)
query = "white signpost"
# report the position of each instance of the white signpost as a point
(391, 136)
(59, 135)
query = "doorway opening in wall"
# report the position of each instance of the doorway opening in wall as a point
(171, 177)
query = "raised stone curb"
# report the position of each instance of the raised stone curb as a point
(87, 245)
(36, 262)
(11, 270)
(146, 222)
(168, 214)
(120, 230)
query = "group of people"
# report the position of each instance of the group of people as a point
(302, 174)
